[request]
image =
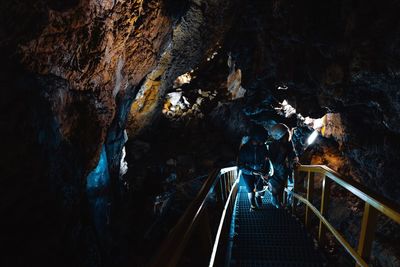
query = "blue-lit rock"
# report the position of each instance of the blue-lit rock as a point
(99, 178)
(97, 186)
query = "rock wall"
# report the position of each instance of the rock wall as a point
(194, 39)
(342, 57)
(70, 72)
(75, 74)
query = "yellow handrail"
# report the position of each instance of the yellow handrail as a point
(335, 233)
(373, 203)
(195, 218)
(380, 203)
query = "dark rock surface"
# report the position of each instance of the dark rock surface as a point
(76, 74)
(69, 74)
(341, 56)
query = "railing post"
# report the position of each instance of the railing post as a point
(223, 186)
(284, 195)
(295, 179)
(310, 193)
(367, 234)
(218, 194)
(233, 176)
(227, 185)
(326, 184)
(230, 180)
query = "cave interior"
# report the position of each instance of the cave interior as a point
(114, 112)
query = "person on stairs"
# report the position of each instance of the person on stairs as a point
(254, 165)
(283, 156)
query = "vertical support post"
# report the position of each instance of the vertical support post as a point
(229, 181)
(295, 179)
(310, 193)
(218, 194)
(227, 188)
(326, 185)
(284, 195)
(222, 186)
(367, 234)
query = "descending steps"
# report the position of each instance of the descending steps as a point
(269, 237)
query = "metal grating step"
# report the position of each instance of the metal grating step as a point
(250, 250)
(281, 263)
(269, 237)
(274, 239)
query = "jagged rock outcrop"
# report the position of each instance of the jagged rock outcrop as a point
(70, 72)
(340, 57)
(75, 74)
(324, 57)
(194, 38)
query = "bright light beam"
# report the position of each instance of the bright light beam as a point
(312, 137)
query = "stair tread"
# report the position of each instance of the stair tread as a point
(269, 237)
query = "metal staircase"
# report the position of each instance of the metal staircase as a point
(269, 237)
(218, 228)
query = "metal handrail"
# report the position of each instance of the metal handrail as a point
(196, 215)
(373, 204)
(222, 222)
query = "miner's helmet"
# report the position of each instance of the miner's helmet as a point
(278, 131)
(258, 134)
